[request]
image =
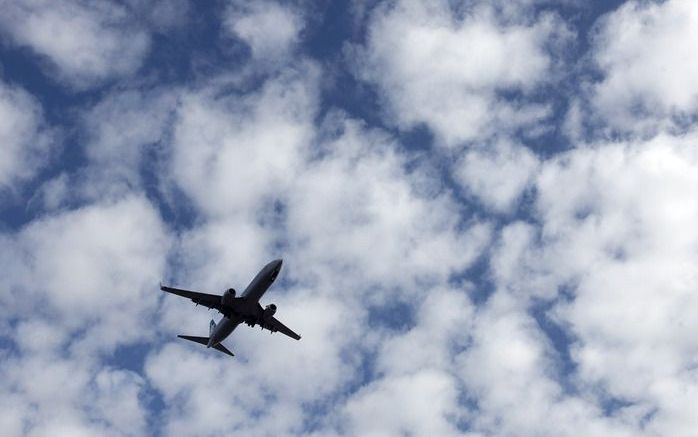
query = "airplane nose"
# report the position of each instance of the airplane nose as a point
(274, 268)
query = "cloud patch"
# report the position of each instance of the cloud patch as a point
(83, 43)
(271, 30)
(644, 51)
(448, 70)
(26, 143)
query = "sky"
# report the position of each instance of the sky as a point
(487, 211)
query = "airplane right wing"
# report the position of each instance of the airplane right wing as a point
(207, 300)
(273, 324)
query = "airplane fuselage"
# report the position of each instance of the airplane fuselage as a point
(246, 307)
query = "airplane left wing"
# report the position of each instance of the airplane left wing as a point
(273, 324)
(207, 300)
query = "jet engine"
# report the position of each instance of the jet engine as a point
(269, 310)
(228, 296)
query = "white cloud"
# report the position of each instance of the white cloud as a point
(125, 135)
(48, 395)
(419, 404)
(270, 29)
(254, 143)
(621, 221)
(25, 142)
(234, 158)
(240, 159)
(435, 68)
(125, 140)
(618, 231)
(93, 272)
(509, 372)
(645, 50)
(497, 176)
(420, 394)
(119, 402)
(93, 269)
(376, 245)
(443, 326)
(85, 42)
(359, 196)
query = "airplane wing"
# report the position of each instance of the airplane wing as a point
(273, 324)
(207, 300)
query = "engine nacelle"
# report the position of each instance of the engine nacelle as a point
(228, 296)
(269, 310)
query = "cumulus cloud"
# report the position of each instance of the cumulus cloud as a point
(332, 221)
(497, 176)
(509, 372)
(435, 67)
(26, 143)
(616, 258)
(92, 272)
(254, 143)
(419, 394)
(419, 404)
(627, 236)
(422, 310)
(124, 135)
(91, 268)
(321, 196)
(51, 395)
(270, 29)
(644, 51)
(84, 43)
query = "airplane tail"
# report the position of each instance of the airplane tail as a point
(200, 340)
(204, 341)
(211, 327)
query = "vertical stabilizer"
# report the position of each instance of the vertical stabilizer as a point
(211, 327)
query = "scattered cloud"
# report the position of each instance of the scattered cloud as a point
(92, 271)
(118, 250)
(254, 143)
(83, 43)
(625, 233)
(125, 133)
(449, 70)
(271, 30)
(26, 142)
(430, 298)
(497, 176)
(644, 52)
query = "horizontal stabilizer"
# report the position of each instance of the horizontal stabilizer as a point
(204, 341)
(223, 349)
(201, 340)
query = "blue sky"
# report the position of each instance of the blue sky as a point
(487, 213)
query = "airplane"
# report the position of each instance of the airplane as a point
(243, 309)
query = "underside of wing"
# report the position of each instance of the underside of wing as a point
(207, 300)
(273, 324)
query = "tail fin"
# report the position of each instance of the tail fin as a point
(211, 327)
